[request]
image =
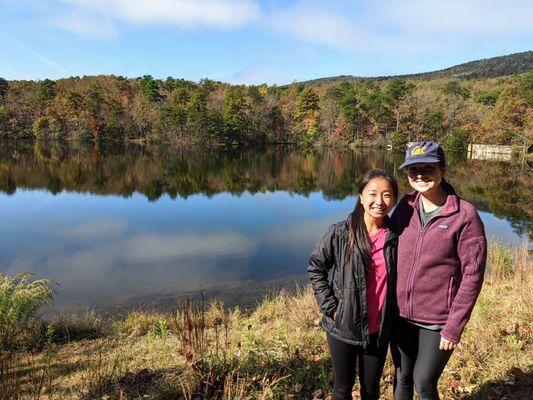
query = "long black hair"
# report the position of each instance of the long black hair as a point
(358, 235)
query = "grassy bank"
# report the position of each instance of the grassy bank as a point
(277, 351)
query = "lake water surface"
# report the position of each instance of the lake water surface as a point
(129, 226)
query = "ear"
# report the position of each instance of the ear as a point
(443, 169)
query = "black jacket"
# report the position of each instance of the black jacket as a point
(344, 292)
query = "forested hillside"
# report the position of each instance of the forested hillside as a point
(371, 111)
(512, 64)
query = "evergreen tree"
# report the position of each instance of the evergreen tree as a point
(149, 88)
(307, 104)
(351, 111)
(4, 86)
(47, 91)
(234, 114)
(454, 88)
(396, 92)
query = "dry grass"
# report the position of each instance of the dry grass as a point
(277, 351)
(495, 359)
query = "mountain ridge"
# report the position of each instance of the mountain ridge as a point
(511, 64)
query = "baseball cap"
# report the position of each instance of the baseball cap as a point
(424, 152)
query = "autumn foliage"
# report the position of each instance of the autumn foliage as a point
(495, 110)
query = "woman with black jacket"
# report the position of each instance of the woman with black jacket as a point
(358, 299)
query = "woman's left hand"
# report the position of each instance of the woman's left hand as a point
(445, 344)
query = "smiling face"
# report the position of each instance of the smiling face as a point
(425, 177)
(377, 198)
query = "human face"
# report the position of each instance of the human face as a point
(425, 177)
(377, 198)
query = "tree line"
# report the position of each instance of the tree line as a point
(365, 111)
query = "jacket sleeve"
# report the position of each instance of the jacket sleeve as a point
(321, 261)
(472, 251)
(401, 215)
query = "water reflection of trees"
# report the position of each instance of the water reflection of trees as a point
(120, 169)
(501, 188)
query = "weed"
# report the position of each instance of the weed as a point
(20, 299)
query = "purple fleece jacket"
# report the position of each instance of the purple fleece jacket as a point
(440, 266)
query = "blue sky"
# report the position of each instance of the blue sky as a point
(254, 41)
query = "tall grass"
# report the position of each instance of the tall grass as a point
(500, 261)
(496, 347)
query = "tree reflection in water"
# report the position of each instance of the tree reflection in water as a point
(501, 188)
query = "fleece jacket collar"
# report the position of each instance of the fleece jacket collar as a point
(451, 206)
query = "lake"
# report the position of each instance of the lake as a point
(122, 226)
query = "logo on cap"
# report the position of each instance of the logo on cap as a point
(418, 151)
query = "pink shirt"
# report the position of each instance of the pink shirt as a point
(376, 281)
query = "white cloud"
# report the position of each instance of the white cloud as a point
(85, 25)
(97, 229)
(223, 14)
(153, 247)
(258, 74)
(400, 26)
(302, 234)
(124, 266)
(318, 24)
(457, 17)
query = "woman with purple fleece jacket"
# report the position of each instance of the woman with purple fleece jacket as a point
(442, 252)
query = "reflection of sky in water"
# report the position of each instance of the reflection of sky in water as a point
(107, 247)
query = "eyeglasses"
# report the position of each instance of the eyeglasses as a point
(425, 170)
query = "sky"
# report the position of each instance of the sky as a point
(254, 41)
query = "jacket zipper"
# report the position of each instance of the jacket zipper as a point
(450, 292)
(386, 251)
(411, 278)
(363, 317)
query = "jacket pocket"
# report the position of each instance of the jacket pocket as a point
(338, 314)
(347, 322)
(450, 292)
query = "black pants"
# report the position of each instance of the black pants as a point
(417, 360)
(344, 358)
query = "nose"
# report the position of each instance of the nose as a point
(379, 200)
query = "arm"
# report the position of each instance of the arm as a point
(472, 251)
(321, 261)
(402, 214)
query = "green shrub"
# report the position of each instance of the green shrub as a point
(141, 323)
(398, 140)
(357, 143)
(41, 127)
(60, 330)
(489, 98)
(456, 142)
(20, 300)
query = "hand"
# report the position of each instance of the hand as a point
(445, 344)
